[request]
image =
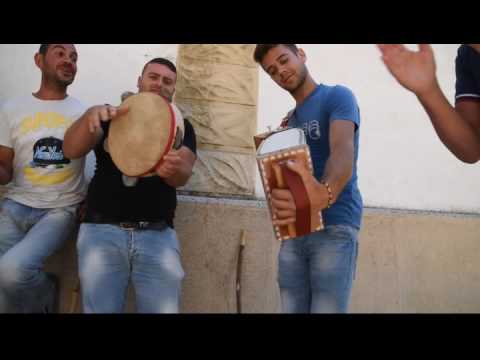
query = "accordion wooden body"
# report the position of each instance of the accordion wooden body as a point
(272, 160)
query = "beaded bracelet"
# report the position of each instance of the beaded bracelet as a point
(330, 193)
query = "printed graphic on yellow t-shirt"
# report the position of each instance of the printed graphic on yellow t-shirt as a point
(48, 165)
(36, 177)
(44, 120)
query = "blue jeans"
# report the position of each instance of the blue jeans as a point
(316, 272)
(109, 257)
(28, 236)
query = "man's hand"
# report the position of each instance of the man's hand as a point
(171, 164)
(283, 207)
(414, 70)
(97, 114)
(86, 132)
(283, 203)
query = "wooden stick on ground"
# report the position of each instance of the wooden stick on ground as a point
(239, 272)
(75, 293)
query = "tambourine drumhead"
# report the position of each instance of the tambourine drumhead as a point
(139, 139)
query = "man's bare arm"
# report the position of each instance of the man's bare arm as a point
(458, 128)
(339, 166)
(6, 165)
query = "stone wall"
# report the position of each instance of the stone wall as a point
(217, 89)
(408, 262)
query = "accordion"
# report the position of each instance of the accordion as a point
(274, 149)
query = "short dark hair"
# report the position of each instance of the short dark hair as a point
(262, 49)
(43, 48)
(161, 61)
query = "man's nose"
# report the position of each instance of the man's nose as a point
(68, 61)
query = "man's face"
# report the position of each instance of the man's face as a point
(158, 79)
(285, 67)
(59, 64)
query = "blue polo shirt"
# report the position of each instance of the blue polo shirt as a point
(314, 116)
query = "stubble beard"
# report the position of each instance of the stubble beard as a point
(302, 76)
(59, 83)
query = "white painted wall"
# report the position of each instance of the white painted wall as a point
(402, 163)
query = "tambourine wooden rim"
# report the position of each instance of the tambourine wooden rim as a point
(120, 128)
(171, 137)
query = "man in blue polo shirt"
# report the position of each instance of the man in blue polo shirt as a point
(457, 127)
(316, 271)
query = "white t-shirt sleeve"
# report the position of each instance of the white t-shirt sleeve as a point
(5, 133)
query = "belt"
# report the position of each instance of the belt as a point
(142, 225)
(96, 218)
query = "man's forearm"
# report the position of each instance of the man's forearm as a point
(6, 165)
(180, 178)
(79, 140)
(338, 171)
(454, 131)
(5, 175)
(185, 170)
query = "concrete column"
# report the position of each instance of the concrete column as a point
(217, 89)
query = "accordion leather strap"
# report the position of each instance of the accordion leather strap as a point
(295, 183)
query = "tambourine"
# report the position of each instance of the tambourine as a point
(139, 139)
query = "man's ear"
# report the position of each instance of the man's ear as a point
(39, 60)
(138, 82)
(302, 55)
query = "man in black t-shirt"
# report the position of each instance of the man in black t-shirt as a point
(128, 232)
(458, 127)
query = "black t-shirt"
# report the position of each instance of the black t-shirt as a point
(468, 74)
(151, 199)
